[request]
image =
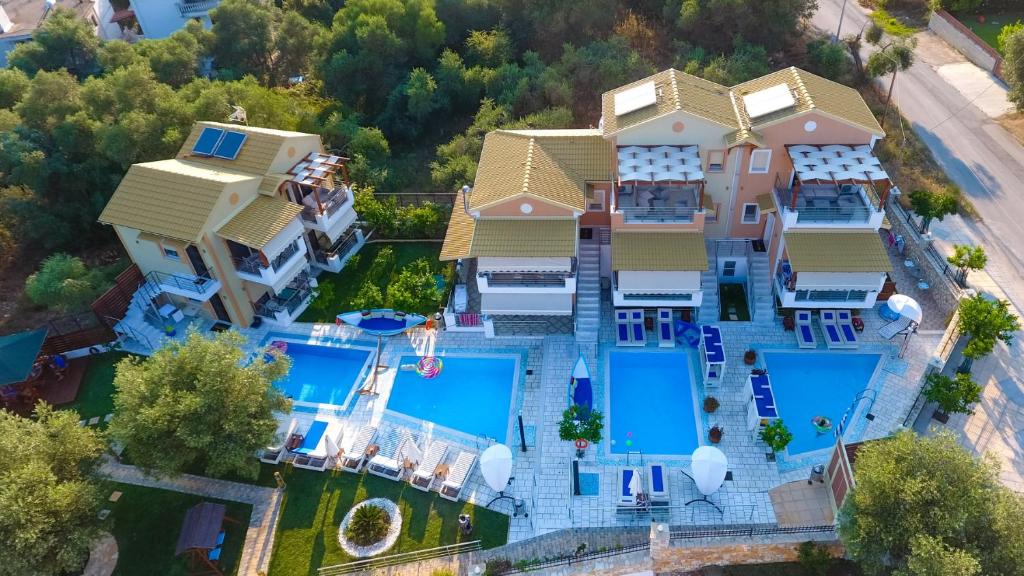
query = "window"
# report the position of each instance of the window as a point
(760, 159)
(751, 214)
(170, 253)
(830, 295)
(595, 200)
(729, 269)
(716, 161)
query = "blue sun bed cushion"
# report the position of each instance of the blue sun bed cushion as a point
(312, 438)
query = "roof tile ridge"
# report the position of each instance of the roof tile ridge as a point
(799, 81)
(675, 88)
(528, 166)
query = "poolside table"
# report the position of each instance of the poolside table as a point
(712, 353)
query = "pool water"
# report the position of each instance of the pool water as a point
(809, 384)
(651, 403)
(472, 394)
(322, 374)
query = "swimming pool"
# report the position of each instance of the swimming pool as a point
(809, 384)
(651, 403)
(472, 394)
(322, 374)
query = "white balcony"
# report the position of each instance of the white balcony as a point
(287, 305)
(520, 304)
(280, 270)
(199, 288)
(823, 206)
(334, 213)
(333, 259)
(196, 8)
(657, 289)
(828, 290)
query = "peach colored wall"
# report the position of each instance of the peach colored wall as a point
(750, 186)
(776, 243)
(828, 131)
(599, 218)
(510, 209)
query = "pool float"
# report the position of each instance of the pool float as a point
(821, 424)
(429, 367)
(687, 333)
(276, 348)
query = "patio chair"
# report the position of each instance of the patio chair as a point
(353, 455)
(636, 318)
(423, 476)
(451, 488)
(328, 437)
(666, 336)
(833, 337)
(804, 331)
(895, 327)
(622, 326)
(657, 483)
(273, 454)
(390, 462)
(628, 498)
(845, 323)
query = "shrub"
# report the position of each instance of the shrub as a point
(382, 265)
(368, 297)
(575, 425)
(496, 566)
(953, 395)
(1006, 32)
(814, 559)
(369, 525)
(414, 290)
(442, 572)
(63, 283)
(776, 435)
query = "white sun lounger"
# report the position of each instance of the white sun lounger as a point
(390, 461)
(423, 476)
(844, 319)
(353, 455)
(895, 327)
(272, 454)
(325, 451)
(657, 483)
(805, 337)
(829, 327)
(451, 488)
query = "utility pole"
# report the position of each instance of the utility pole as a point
(842, 13)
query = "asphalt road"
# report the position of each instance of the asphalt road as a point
(977, 153)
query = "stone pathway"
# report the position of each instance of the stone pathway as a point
(102, 556)
(265, 502)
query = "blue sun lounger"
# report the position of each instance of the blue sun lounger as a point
(636, 320)
(804, 332)
(622, 327)
(657, 484)
(845, 323)
(666, 337)
(312, 438)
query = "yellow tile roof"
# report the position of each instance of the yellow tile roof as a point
(459, 237)
(271, 182)
(836, 252)
(811, 93)
(550, 166)
(259, 221)
(256, 155)
(170, 198)
(659, 251)
(765, 203)
(676, 91)
(524, 238)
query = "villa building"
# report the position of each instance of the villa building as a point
(768, 189)
(153, 19)
(19, 19)
(235, 225)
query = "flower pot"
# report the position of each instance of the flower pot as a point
(715, 435)
(749, 357)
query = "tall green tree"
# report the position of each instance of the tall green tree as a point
(716, 24)
(198, 404)
(489, 48)
(175, 59)
(954, 395)
(986, 322)
(933, 205)
(64, 283)
(1013, 66)
(967, 258)
(13, 85)
(62, 41)
(893, 58)
(48, 497)
(243, 37)
(294, 47)
(924, 503)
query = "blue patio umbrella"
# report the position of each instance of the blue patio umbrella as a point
(18, 353)
(380, 322)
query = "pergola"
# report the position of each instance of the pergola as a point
(203, 522)
(667, 165)
(314, 170)
(838, 164)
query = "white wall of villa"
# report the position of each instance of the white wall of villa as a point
(671, 289)
(161, 18)
(813, 290)
(523, 304)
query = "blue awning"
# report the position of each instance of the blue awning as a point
(18, 353)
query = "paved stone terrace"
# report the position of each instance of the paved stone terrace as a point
(265, 502)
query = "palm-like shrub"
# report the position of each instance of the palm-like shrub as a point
(369, 525)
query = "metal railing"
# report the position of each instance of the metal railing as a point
(749, 531)
(196, 284)
(338, 249)
(658, 215)
(527, 280)
(254, 265)
(398, 559)
(569, 560)
(832, 213)
(193, 8)
(331, 200)
(270, 307)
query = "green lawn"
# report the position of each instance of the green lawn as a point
(147, 521)
(315, 502)
(989, 30)
(96, 396)
(734, 296)
(337, 290)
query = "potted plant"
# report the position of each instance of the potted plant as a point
(169, 330)
(582, 427)
(777, 436)
(749, 357)
(715, 434)
(953, 395)
(710, 404)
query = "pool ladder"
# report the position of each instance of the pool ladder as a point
(866, 394)
(638, 454)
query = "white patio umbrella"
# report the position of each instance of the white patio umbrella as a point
(906, 307)
(496, 466)
(709, 465)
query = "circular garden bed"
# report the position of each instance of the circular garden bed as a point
(370, 528)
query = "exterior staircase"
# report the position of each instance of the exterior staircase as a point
(710, 308)
(134, 326)
(762, 310)
(588, 292)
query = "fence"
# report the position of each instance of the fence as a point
(749, 532)
(569, 560)
(76, 331)
(397, 559)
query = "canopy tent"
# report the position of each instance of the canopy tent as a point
(203, 523)
(836, 163)
(18, 354)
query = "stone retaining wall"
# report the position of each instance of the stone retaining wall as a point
(960, 37)
(946, 294)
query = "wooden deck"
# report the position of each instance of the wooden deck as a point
(49, 388)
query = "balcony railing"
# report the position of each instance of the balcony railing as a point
(331, 200)
(684, 297)
(198, 285)
(288, 301)
(339, 249)
(526, 280)
(253, 264)
(658, 215)
(194, 8)
(826, 205)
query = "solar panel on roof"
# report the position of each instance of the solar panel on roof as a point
(207, 141)
(635, 98)
(778, 97)
(230, 145)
